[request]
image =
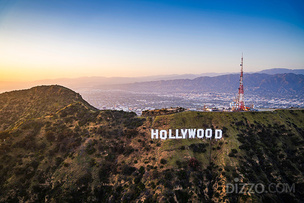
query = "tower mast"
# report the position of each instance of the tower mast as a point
(241, 105)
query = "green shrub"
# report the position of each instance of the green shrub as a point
(193, 163)
(90, 149)
(142, 170)
(50, 136)
(58, 161)
(163, 161)
(153, 185)
(234, 151)
(127, 170)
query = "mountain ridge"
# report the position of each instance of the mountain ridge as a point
(35, 102)
(95, 82)
(274, 71)
(256, 83)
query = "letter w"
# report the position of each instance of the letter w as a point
(191, 133)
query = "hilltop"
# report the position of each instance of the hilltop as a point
(73, 152)
(17, 106)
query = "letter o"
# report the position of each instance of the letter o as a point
(257, 186)
(280, 188)
(200, 133)
(163, 134)
(209, 133)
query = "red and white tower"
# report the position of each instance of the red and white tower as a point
(240, 99)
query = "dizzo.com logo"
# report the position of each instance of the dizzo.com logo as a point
(259, 188)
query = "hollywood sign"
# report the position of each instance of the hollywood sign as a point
(186, 133)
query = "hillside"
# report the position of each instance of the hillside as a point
(79, 154)
(17, 106)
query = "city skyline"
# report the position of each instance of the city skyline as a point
(71, 39)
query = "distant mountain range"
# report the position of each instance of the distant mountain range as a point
(88, 83)
(282, 71)
(287, 84)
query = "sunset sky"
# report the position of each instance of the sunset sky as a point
(42, 39)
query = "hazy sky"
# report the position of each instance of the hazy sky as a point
(42, 39)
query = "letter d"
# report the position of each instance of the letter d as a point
(218, 134)
(229, 185)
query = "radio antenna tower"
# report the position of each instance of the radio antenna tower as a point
(240, 100)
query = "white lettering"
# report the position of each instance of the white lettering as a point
(176, 135)
(163, 134)
(191, 133)
(184, 133)
(170, 134)
(200, 133)
(208, 133)
(218, 134)
(154, 133)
